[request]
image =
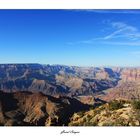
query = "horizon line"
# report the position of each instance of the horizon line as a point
(104, 66)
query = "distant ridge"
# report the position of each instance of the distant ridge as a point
(63, 80)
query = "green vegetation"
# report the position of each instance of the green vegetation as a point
(117, 122)
(136, 104)
(114, 105)
(114, 113)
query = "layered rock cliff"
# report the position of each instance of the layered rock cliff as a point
(36, 109)
(56, 79)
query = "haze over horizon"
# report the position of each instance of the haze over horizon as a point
(70, 37)
(84, 66)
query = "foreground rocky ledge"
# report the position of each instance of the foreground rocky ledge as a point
(114, 113)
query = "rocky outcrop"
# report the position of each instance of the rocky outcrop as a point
(36, 109)
(124, 90)
(90, 100)
(125, 115)
(130, 74)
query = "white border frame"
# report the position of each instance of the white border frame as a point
(69, 4)
(44, 133)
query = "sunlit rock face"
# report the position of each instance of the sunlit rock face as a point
(131, 74)
(56, 79)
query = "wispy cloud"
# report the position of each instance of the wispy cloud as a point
(120, 34)
(123, 31)
(108, 11)
(122, 43)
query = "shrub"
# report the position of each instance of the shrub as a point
(136, 104)
(114, 105)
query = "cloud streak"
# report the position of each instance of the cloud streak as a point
(122, 43)
(121, 34)
(109, 11)
(123, 31)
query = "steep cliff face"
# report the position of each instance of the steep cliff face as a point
(124, 90)
(128, 87)
(26, 108)
(131, 74)
(55, 79)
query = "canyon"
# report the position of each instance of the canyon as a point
(49, 95)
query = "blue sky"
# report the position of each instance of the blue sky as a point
(70, 37)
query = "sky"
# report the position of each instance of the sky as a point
(70, 37)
